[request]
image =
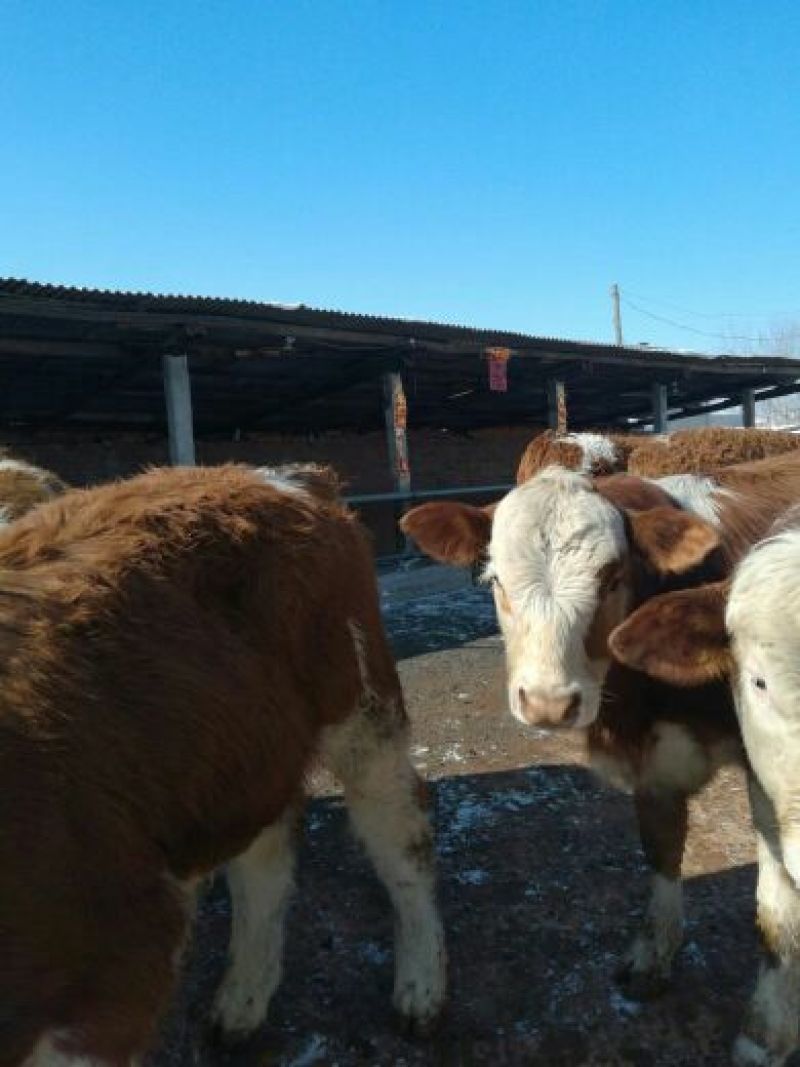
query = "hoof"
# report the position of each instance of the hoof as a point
(219, 1041)
(418, 1013)
(749, 1053)
(419, 1028)
(641, 985)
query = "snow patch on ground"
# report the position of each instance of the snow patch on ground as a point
(374, 953)
(438, 622)
(453, 754)
(473, 877)
(624, 1008)
(311, 1053)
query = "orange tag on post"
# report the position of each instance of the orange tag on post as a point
(400, 410)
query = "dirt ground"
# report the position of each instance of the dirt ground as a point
(541, 884)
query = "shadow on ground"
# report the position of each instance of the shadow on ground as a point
(541, 884)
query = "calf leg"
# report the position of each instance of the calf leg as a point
(662, 816)
(46, 1055)
(114, 1010)
(260, 882)
(770, 1032)
(368, 753)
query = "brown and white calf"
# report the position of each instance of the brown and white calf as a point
(679, 452)
(174, 651)
(748, 628)
(569, 558)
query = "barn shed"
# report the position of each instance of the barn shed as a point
(96, 384)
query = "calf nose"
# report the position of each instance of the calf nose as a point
(548, 709)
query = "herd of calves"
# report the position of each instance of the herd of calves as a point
(176, 650)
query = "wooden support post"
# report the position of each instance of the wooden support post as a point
(748, 407)
(659, 408)
(396, 415)
(556, 405)
(617, 316)
(396, 412)
(178, 395)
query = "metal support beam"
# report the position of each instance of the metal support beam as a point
(659, 407)
(748, 407)
(556, 405)
(455, 493)
(178, 396)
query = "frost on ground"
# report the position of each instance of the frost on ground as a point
(374, 953)
(472, 877)
(625, 1009)
(311, 1053)
(438, 622)
(461, 812)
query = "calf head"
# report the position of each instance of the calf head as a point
(562, 553)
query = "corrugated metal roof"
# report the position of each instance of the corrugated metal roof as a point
(305, 315)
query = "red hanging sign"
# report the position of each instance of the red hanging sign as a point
(498, 369)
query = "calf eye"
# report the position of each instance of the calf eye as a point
(501, 594)
(759, 683)
(609, 577)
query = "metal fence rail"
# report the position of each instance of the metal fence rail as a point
(398, 497)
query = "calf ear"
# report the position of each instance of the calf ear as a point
(449, 532)
(678, 637)
(672, 541)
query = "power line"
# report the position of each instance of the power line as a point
(690, 329)
(710, 314)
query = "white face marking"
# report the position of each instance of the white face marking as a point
(598, 451)
(763, 619)
(550, 539)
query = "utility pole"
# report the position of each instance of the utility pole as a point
(617, 317)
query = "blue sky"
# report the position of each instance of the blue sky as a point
(496, 163)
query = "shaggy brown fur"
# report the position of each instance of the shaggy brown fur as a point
(681, 452)
(170, 648)
(695, 451)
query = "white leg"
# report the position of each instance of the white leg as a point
(45, 1055)
(649, 959)
(647, 965)
(771, 1031)
(368, 754)
(260, 882)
